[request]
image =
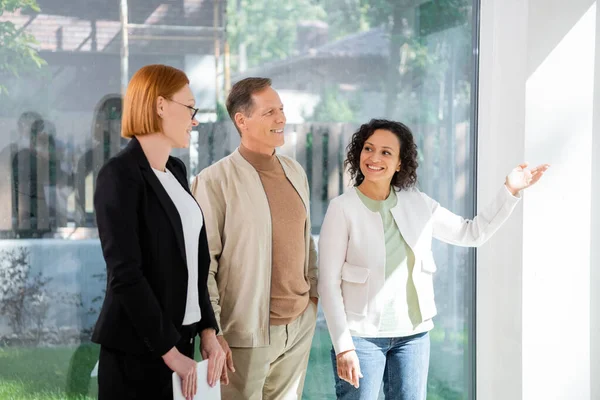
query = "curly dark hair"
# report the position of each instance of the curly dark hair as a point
(403, 179)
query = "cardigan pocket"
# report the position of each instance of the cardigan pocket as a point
(424, 286)
(355, 289)
(428, 263)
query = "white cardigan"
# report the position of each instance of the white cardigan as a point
(352, 254)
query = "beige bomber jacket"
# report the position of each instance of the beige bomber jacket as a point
(238, 225)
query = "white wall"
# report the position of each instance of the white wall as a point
(556, 266)
(534, 330)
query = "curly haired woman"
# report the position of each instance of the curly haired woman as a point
(376, 266)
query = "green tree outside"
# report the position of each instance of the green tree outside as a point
(18, 55)
(266, 29)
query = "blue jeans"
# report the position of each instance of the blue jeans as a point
(402, 363)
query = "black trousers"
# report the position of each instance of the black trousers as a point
(130, 376)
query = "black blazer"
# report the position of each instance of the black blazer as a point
(142, 242)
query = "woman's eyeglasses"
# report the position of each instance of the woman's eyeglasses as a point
(192, 109)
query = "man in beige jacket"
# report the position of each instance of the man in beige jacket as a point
(263, 274)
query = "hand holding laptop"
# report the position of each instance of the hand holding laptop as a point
(204, 390)
(185, 370)
(190, 380)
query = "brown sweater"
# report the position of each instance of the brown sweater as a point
(289, 286)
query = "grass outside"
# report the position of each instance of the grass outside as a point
(60, 373)
(63, 373)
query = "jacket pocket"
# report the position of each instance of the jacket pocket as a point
(424, 286)
(355, 289)
(428, 263)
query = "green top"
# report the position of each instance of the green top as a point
(401, 315)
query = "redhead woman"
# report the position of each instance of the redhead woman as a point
(154, 243)
(376, 266)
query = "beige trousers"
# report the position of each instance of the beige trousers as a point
(275, 372)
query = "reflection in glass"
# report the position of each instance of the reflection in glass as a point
(335, 63)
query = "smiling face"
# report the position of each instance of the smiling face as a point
(380, 157)
(262, 129)
(177, 122)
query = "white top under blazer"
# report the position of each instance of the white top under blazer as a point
(191, 222)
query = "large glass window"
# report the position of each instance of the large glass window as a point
(335, 63)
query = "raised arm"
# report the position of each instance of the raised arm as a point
(457, 230)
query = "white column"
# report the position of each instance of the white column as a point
(502, 71)
(534, 308)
